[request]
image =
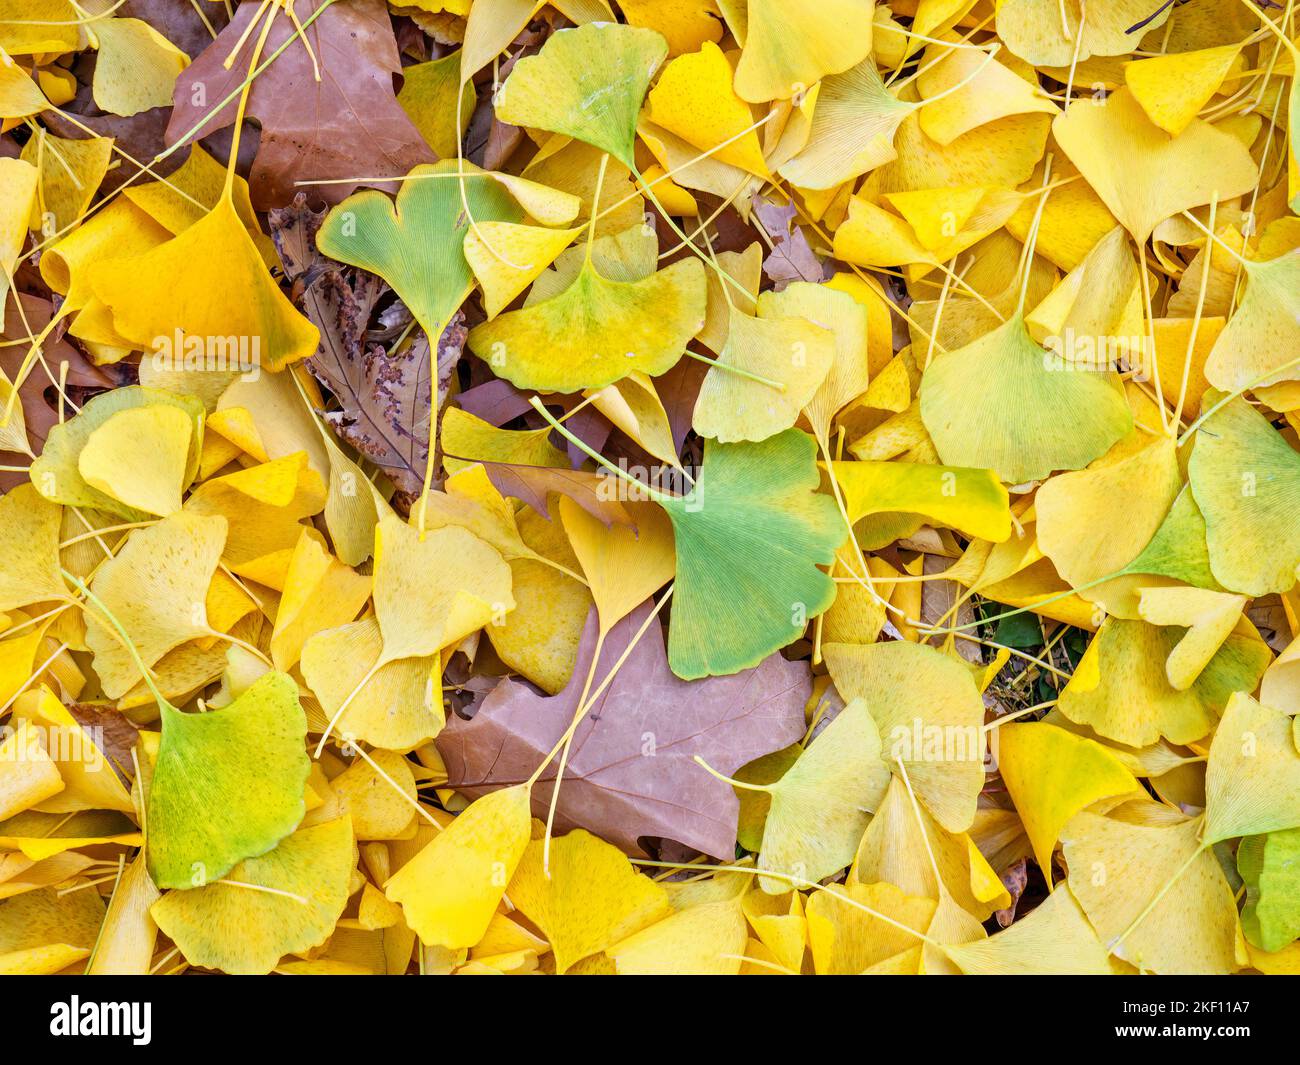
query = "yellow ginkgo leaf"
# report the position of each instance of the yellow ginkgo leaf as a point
(452, 887)
(1209, 617)
(319, 593)
(991, 91)
(394, 705)
(43, 932)
(1261, 336)
(539, 638)
(20, 97)
(156, 587)
(848, 935)
(779, 922)
(184, 285)
(1054, 939)
(431, 592)
(109, 461)
(1120, 688)
(930, 717)
(70, 172)
(378, 793)
(467, 439)
(1117, 870)
(788, 50)
(624, 566)
(1048, 33)
(506, 258)
(136, 67)
(28, 774)
(1051, 775)
(704, 940)
(1172, 89)
(1142, 174)
(972, 501)
(746, 270)
(126, 941)
(693, 98)
(29, 544)
(588, 898)
(685, 24)
(634, 406)
(732, 405)
(854, 123)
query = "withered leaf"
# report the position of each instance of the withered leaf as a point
(346, 124)
(791, 257)
(632, 773)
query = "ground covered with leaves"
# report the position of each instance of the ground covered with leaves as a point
(683, 486)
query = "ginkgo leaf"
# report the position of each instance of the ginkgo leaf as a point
(821, 806)
(1055, 939)
(1116, 871)
(319, 593)
(1051, 775)
(854, 123)
(239, 929)
(597, 330)
(704, 940)
(1172, 89)
(395, 705)
(930, 717)
(1264, 331)
(1142, 174)
(847, 939)
(1270, 865)
(418, 615)
(57, 475)
(507, 257)
(451, 888)
(135, 68)
(158, 430)
(990, 91)
(1001, 403)
(588, 898)
(210, 805)
(29, 544)
(182, 287)
(791, 351)
(1120, 687)
(1252, 778)
(587, 83)
(973, 501)
(156, 587)
(1245, 478)
(787, 51)
(1209, 618)
(694, 99)
(749, 538)
(1044, 32)
(416, 244)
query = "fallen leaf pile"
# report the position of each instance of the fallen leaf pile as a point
(709, 486)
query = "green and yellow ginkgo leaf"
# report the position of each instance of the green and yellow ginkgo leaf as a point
(1001, 403)
(284, 902)
(416, 244)
(972, 501)
(597, 331)
(1246, 482)
(587, 83)
(1260, 344)
(227, 785)
(1270, 866)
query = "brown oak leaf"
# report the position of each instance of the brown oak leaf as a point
(631, 773)
(346, 124)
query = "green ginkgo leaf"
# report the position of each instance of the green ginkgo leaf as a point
(418, 244)
(586, 83)
(1246, 480)
(56, 473)
(750, 536)
(239, 929)
(1270, 866)
(597, 331)
(228, 783)
(1003, 402)
(1178, 549)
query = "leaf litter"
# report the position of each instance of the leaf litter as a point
(676, 488)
